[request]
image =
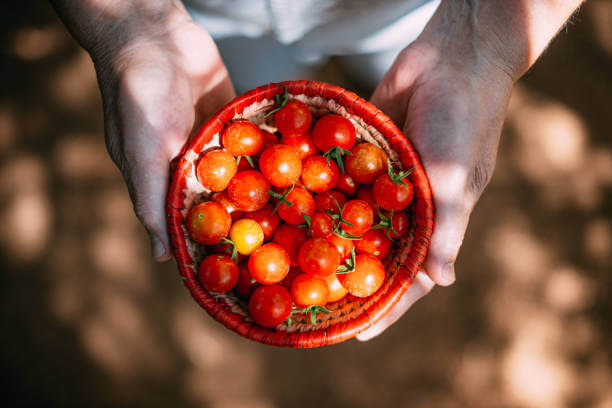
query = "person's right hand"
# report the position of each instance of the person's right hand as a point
(155, 90)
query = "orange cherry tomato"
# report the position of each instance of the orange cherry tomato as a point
(336, 290)
(269, 222)
(343, 245)
(302, 144)
(207, 222)
(307, 290)
(319, 174)
(269, 264)
(302, 204)
(281, 165)
(247, 235)
(215, 169)
(368, 276)
(366, 163)
(319, 256)
(221, 198)
(242, 138)
(248, 190)
(359, 214)
(392, 195)
(293, 119)
(218, 273)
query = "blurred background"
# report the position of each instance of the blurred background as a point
(87, 319)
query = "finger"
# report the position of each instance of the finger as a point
(420, 287)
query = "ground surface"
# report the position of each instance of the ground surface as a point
(86, 319)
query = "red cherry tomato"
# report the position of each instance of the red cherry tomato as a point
(302, 204)
(359, 214)
(366, 163)
(293, 119)
(281, 165)
(215, 169)
(269, 139)
(302, 144)
(207, 222)
(269, 264)
(321, 225)
(328, 199)
(269, 222)
(291, 237)
(221, 198)
(218, 273)
(336, 290)
(374, 242)
(225, 249)
(319, 256)
(343, 245)
(307, 290)
(246, 284)
(365, 193)
(346, 184)
(319, 175)
(391, 195)
(242, 138)
(400, 222)
(271, 305)
(333, 131)
(248, 190)
(368, 276)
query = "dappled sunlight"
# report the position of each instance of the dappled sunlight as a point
(74, 84)
(8, 128)
(567, 289)
(601, 15)
(32, 43)
(598, 239)
(83, 158)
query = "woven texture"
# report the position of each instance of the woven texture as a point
(350, 315)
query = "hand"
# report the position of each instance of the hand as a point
(156, 89)
(452, 112)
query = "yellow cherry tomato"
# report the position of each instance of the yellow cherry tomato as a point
(246, 235)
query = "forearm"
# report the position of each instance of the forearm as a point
(104, 27)
(508, 34)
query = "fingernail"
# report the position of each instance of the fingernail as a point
(448, 273)
(157, 249)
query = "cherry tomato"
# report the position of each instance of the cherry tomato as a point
(293, 272)
(374, 242)
(207, 222)
(346, 184)
(359, 214)
(247, 235)
(366, 163)
(271, 305)
(336, 290)
(269, 139)
(246, 284)
(321, 225)
(333, 130)
(302, 204)
(242, 138)
(221, 198)
(281, 165)
(269, 222)
(248, 190)
(319, 174)
(368, 276)
(365, 193)
(328, 199)
(293, 119)
(400, 222)
(269, 264)
(218, 273)
(319, 256)
(291, 237)
(225, 249)
(215, 169)
(391, 195)
(343, 245)
(302, 144)
(307, 290)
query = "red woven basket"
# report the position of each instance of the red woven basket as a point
(350, 315)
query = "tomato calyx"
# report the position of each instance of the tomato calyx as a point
(249, 159)
(398, 178)
(231, 249)
(336, 153)
(313, 310)
(387, 224)
(349, 264)
(339, 221)
(282, 198)
(281, 101)
(307, 220)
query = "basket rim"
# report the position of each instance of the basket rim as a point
(405, 274)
